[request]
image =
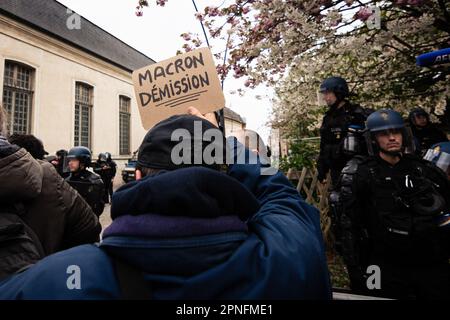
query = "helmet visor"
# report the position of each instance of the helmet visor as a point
(321, 98)
(408, 145)
(65, 164)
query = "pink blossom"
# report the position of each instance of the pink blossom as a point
(238, 71)
(268, 23)
(197, 43)
(212, 11)
(363, 14)
(415, 2)
(187, 47)
(186, 36)
(249, 83)
(199, 16)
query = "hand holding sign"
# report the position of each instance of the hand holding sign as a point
(211, 117)
(170, 87)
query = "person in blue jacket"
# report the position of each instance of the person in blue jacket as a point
(192, 231)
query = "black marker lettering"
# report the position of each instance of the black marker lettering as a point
(145, 95)
(146, 75)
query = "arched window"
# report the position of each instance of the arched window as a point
(18, 82)
(83, 114)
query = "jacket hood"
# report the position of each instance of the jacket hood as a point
(191, 212)
(190, 192)
(20, 174)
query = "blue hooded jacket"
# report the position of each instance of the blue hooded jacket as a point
(195, 233)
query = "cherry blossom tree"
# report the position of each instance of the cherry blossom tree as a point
(293, 45)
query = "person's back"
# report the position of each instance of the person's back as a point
(196, 233)
(90, 186)
(59, 217)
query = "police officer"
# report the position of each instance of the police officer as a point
(425, 133)
(340, 140)
(112, 173)
(391, 201)
(101, 169)
(341, 116)
(106, 168)
(88, 184)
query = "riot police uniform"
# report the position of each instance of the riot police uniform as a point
(106, 168)
(334, 129)
(88, 184)
(425, 136)
(389, 218)
(112, 173)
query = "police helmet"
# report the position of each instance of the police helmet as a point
(387, 119)
(108, 156)
(82, 154)
(337, 85)
(102, 157)
(384, 119)
(417, 112)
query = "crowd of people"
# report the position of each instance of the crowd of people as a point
(181, 231)
(222, 230)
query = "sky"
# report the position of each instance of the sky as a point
(157, 35)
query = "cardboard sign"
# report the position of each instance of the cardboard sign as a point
(169, 87)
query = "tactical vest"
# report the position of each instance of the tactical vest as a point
(403, 212)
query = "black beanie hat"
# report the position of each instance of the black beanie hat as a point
(156, 148)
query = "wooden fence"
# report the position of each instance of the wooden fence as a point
(315, 194)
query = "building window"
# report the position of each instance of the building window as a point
(18, 96)
(124, 125)
(83, 114)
